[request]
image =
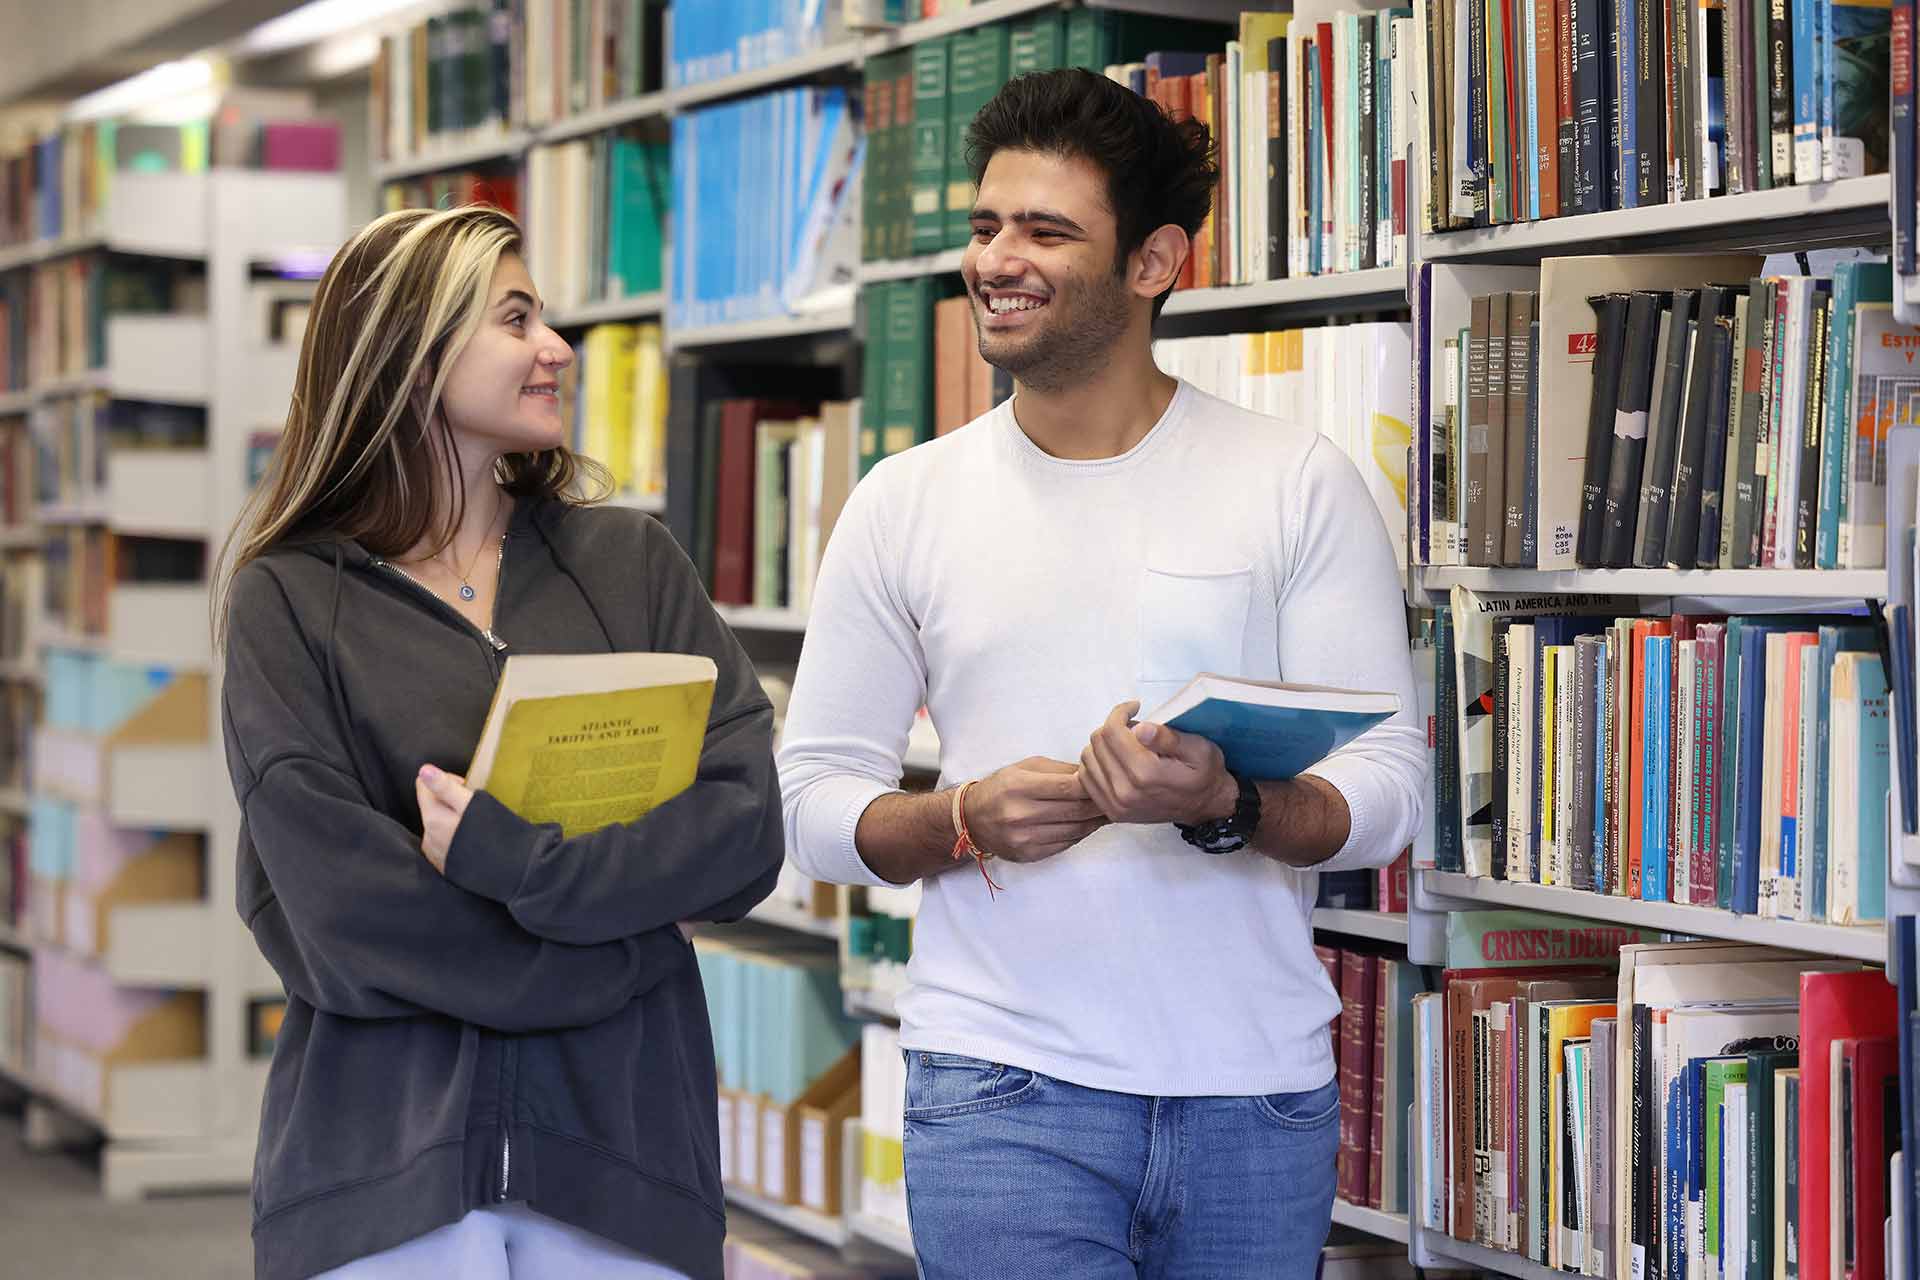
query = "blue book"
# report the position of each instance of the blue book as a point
(1271, 730)
(1659, 739)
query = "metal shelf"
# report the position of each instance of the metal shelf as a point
(1380, 288)
(11, 939)
(747, 618)
(978, 14)
(816, 1226)
(15, 402)
(496, 147)
(780, 915)
(92, 510)
(1458, 892)
(36, 251)
(838, 320)
(608, 311)
(16, 537)
(1753, 584)
(1388, 1226)
(1787, 217)
(21, 671)
(1384, 925)
(15, 801)
(944, 263)
(844, 53)
(651, 106)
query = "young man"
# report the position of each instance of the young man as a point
(1118, 1064)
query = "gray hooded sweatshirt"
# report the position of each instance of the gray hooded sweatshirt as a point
(531, 1025)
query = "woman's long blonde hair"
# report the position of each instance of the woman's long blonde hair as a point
(394, 310)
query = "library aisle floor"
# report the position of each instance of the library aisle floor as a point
(55, 1225)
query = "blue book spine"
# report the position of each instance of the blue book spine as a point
(1904, 214)
(1746, 871)
(1806, 90)
(1835, 439)
(1524, 68)
(1874, 783)
(1659, 730)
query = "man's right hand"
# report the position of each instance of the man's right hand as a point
(1031, 810)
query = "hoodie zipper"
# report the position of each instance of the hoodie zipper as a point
(496, 645)
(494, 642)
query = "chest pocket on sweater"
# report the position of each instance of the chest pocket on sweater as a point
(1191, 620)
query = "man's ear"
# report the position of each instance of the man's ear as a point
(1157, 262)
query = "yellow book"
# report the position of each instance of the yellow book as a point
(588, 740)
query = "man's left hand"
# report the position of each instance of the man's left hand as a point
(1148, 773)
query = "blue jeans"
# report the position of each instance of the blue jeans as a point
(1018, 1176)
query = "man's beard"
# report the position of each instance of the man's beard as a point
(1075, 343)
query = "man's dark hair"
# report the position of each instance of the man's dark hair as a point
(1158, 171)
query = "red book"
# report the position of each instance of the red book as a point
(1870, 1071)
(1391, 892)
(1376, 1143)
(1357, 992)
(1330, 961)
(733, 504)
(1833, 1006)
(311, 146)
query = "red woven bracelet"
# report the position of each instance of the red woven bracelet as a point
(963, 845)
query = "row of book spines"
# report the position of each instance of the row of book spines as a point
(498, 187)
(923, 374)
(1729, 426)
(1371, 1043)
(1762, 410)
(1548, 132)
(919, 101)
(1690, 761)
(619, 395)
(611, 243)
(1382, 889)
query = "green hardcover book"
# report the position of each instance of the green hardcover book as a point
(930, 144)
(1499, 157)
(986, 60)
(874, 113)
(638, 176)
(900, 191)
(873, 373)
(1720, 1072)
(1761, 1069)
(1037, 43)
(770, 497)
(1088, 39)
(907, 396)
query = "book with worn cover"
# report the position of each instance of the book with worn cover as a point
(1268, 728)
(588, 740)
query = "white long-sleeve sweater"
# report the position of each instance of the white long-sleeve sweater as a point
(1020, 597)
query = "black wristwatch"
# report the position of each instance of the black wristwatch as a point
(1224, 835)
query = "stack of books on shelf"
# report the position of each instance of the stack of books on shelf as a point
(766, 200)
(596, 218)
(1340, 113)
(617, 391)
(446, 81)
(710, 42)
(789, 1065)
(93, 1036)
(1348, 382)
(1373, 1053)
(921, 371)
(58, 184)
(578, 57)
(1682, 1109)
(1383, 889)
(1689, 412)
(768, 485)
(1737, 762)
(493, 184)
(1543, 109)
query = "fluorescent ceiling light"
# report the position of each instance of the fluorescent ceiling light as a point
(153, 86)
(312, 23)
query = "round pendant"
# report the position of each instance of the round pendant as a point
(466, 592)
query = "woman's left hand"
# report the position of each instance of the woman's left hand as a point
(443, 802)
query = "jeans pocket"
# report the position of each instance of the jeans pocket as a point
(1303, 1112)
(940, 1085)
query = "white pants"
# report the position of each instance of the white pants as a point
(510, 1242)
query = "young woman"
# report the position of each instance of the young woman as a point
(496, 1059)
